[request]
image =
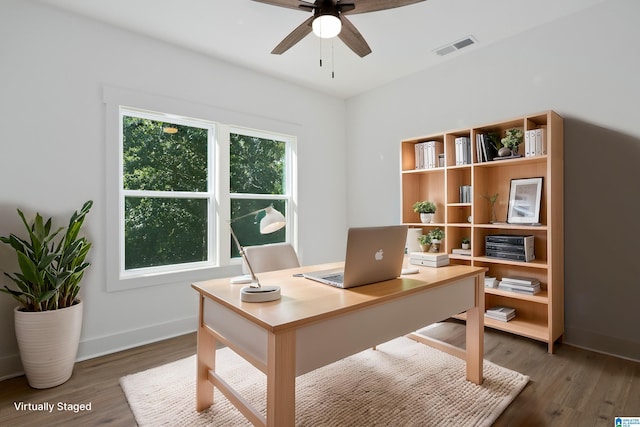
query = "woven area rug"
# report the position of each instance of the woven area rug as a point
(402, 383)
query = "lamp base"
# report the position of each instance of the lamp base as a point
(261, 294)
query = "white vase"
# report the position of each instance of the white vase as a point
(426, 218)
(48, 343)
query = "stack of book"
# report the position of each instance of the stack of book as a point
(485, 151)
(535, 142)
(463, 150)
(428, 154)
(429, 259)
(465, 194)
(460, 251)
(501, 313)
(524, 285)
(510, 247)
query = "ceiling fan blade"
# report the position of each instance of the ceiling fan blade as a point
(289, 4)
(352, 38)
(363, 6)
(294, 37)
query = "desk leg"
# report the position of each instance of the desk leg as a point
(281, 379)
(206, 356)
(475, 335)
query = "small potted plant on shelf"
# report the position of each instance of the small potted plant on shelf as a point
(436, 235)
(466, 243)
(426, 209)
(48, 319)
(510, 142)
(425, 242)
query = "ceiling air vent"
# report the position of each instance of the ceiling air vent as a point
(457, 45)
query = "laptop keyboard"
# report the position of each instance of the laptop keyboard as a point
(338, 278)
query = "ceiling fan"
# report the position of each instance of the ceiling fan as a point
(329, 20)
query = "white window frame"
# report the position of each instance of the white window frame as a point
(210, 195)
(289, 184)
(220, 263)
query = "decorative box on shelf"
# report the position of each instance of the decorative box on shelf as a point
(429, 259)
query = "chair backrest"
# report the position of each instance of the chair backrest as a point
(274, 256)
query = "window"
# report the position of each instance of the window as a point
(166, 180)
(179, 181)
(258, 177)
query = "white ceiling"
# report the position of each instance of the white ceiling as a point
(402, 40)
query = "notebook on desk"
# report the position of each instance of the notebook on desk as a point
(374, 254)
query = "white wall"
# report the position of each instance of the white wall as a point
(54, 68)
(586, 68)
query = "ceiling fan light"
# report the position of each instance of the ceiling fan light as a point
(326, 26)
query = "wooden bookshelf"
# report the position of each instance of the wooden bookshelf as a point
(539, 316)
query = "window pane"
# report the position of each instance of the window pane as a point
(160, 156)
(257, 165)
(161, 231)
(248, 229)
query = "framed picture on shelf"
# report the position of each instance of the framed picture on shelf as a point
(524, 201)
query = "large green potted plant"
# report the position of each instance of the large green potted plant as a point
(49, 318)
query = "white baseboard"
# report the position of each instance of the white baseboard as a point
(125, 340)
(10, 366)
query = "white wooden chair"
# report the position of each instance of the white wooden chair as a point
(270, 257)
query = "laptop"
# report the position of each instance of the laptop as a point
(374, 254)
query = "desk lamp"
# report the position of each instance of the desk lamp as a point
(271, 222)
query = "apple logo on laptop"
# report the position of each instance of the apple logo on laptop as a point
(379, 255)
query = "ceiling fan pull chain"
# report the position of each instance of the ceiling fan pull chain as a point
(333, 62)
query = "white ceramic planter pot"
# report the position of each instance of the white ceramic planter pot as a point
(426, 218)
(48, 343)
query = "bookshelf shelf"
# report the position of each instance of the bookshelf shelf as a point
(526, 328)
(524, 228)
(539, 316)
(531, 264)
(540, 298)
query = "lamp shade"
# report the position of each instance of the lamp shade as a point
(272, 221)
(326, 26)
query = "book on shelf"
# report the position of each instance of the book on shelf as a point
(463, 150)
(501, 312)
(535, 142)
(460, 251)
(521, 280)
(465, 194)
(490, 282)
(528, 290)
(486, 150)
(541, 142)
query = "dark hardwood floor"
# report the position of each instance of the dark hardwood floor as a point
(572, 387)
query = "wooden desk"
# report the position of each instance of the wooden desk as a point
(315, 324)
